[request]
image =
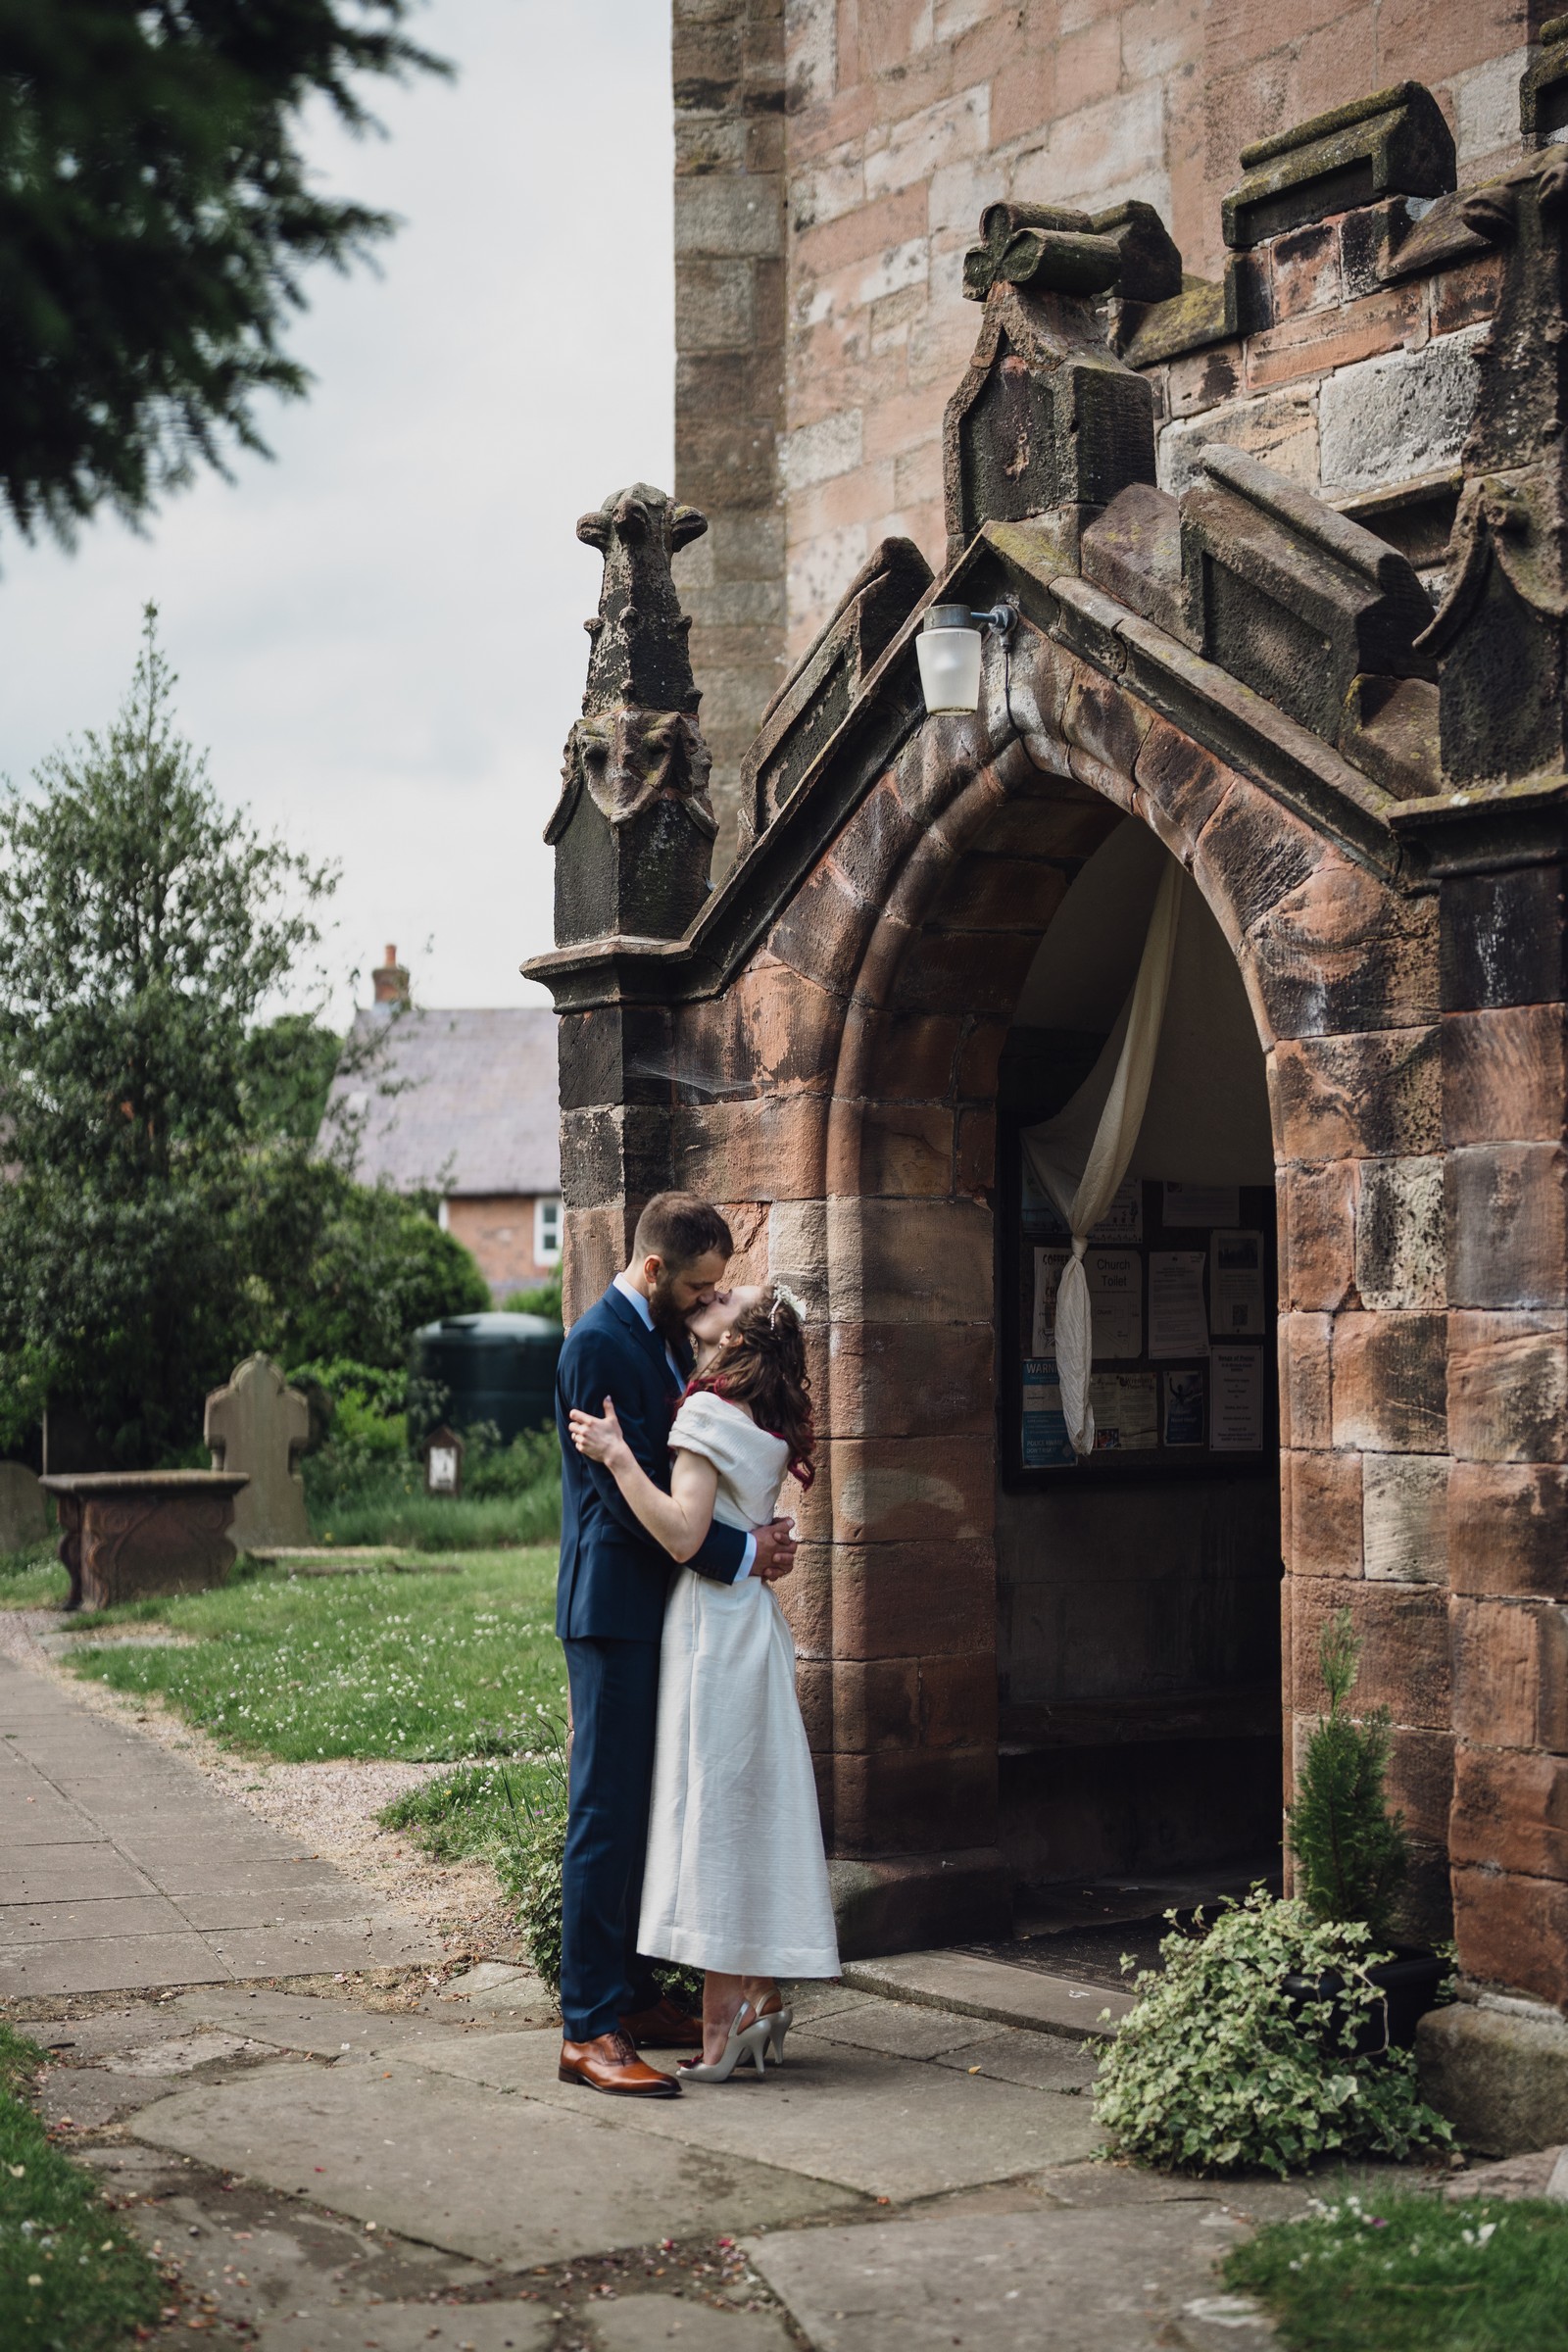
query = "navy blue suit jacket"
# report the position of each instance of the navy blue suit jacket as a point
(614, 1577)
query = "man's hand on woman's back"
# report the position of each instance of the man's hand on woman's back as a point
(775, 1550)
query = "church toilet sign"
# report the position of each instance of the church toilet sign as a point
(1256, 689)
(443, 1462)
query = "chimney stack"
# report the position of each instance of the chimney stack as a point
(390, 980)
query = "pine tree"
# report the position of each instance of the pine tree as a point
(1351, 1852)
(157, 218)
(163, 1208)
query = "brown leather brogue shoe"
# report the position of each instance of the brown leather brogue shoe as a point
(666, 2026)
(610, 2063)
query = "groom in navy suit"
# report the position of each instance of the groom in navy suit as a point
(609, 1613)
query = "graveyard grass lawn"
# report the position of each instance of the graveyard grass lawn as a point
(71, 2273)
(438, 1660)
(1403, 2272)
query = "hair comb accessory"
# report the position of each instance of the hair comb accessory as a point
(783, 1296)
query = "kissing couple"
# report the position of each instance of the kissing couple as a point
(693, 1832)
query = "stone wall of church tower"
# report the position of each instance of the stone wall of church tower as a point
(833, 157)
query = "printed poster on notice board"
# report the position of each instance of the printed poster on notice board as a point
(1049, 1264)
(1235, 1284)
(1236, 1410)
(1177, 1322)
(1201, 1203)
(1116, 1300)
(1126, 1413)
(1046, 1442)
(1123, 1220)
(1183, 1393)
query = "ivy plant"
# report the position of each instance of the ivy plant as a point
(1221, 2067)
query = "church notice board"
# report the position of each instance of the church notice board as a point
(1182, 1284)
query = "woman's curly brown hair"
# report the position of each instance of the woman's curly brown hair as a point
(766, 1372)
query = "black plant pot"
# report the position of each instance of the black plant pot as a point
(1408, 1985)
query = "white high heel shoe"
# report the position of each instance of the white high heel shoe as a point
(778, 2023)
(749, 2041)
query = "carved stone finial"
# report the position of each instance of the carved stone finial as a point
(1037, 245)
(640, 631)
(1501, 632)
(633, 829)
(1047, 420)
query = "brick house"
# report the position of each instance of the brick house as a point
(463, 1103)
(1280, 517)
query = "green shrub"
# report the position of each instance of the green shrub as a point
(1220, 2068)
(512, 1814)
(363, 1487)
(544, 1300)
(541, 1833)
(366, 1389)
(531, 1459)
(1351, 1855)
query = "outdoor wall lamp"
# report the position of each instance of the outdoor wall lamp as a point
(948, 649)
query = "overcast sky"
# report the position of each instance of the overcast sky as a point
(379, 635)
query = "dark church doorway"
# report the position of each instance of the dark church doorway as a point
(1138, 1586)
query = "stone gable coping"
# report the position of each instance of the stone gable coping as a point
(1543, 86)
(1393, 143)
(1024, 561)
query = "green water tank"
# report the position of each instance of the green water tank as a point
(495, 1367)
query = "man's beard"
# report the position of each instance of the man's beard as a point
(668, 1319)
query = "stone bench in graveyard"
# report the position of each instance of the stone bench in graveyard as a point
(124, 1533)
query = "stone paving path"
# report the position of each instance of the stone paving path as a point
(121, 1867)
(328, 2176)
(909, 2181)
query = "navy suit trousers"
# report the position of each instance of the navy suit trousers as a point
(615, 1704)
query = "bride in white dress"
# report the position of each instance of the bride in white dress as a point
(735, 1882)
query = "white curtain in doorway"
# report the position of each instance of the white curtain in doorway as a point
(1080, 1156)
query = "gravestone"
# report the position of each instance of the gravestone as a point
(258, 1425)
(22, 1517)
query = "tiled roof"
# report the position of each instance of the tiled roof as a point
(478, 1109)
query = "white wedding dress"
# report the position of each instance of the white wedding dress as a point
(735, 1876)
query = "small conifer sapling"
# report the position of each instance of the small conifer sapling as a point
(1351, 1855)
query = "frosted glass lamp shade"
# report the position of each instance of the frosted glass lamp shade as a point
(948, 650)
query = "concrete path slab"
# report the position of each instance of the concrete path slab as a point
(1088, 2280)
(659, 2323)
(505, 2179)
(138, 1963)
(301, 2021)
(991, 1988)
(1041, 2061)
(414, 2327)
(121, 1868)
(886, 2126)
(71, 1923)
(898, 2028)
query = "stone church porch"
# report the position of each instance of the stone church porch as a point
(1014, 1671)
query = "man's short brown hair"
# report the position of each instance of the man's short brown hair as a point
(678, 1227)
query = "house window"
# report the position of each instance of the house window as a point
(546, 1232)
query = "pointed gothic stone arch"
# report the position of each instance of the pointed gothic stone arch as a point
(933, 902)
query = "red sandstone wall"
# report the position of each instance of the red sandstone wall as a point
(907, 117)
